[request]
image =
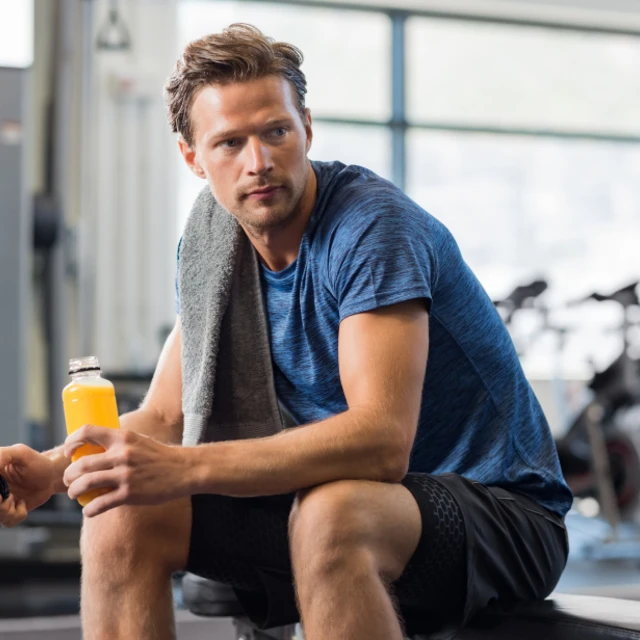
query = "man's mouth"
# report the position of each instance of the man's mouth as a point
(264, 192)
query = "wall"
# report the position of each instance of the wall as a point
(128, 236)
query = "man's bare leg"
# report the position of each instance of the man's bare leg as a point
(128, 556)
(348, 540)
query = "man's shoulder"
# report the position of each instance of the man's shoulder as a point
(352, 198)
(343, 185)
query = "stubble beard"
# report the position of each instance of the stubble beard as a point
(259, 219)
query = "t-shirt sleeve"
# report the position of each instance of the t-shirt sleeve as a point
(382, 255)
(176, 282)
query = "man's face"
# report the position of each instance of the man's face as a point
(251, 145)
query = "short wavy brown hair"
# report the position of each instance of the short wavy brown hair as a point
(240, 53)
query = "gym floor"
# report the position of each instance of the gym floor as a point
(189, 627)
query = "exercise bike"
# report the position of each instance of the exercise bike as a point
(615, 390)
(598, 449)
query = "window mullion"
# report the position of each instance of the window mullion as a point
(398, 105)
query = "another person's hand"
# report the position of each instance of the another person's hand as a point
(29, 476)
(138, 469)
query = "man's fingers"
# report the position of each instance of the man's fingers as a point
(13, 454)
(6, 457)
(89, 433)
(89, 481)
(20, 511)
(6, 505)
(12, 514)
(104, 503)
(86, 464)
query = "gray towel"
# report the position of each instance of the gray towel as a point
(228, 391)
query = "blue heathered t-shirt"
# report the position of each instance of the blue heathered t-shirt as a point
(368, 245)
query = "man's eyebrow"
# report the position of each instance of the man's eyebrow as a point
(276, 121)
(223, 134)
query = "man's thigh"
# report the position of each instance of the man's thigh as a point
(234, 539)
(498, 546)
(434, 581)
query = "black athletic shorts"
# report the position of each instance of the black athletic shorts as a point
(479, 545)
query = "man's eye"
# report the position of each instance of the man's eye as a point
(233, 142)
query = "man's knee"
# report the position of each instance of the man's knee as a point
(133, 535)
(354, 525)
(329, 528)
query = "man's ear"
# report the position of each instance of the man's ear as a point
(308, 128)
(190, 158)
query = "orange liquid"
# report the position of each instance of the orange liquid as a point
(90, 401)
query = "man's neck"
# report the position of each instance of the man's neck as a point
(278, 248)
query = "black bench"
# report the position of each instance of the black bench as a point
(561, 617)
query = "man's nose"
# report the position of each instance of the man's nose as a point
(259, 158)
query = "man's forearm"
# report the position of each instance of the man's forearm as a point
(151, 423)
(352, 445)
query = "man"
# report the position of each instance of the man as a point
(408, 490)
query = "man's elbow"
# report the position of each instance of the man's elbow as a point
(395, 469)
(394, 464)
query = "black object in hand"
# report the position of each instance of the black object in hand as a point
(4, 488)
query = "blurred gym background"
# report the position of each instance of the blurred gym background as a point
(516, 122)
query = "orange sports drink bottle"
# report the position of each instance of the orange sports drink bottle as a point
(89, 399)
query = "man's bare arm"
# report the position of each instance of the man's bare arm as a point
(159, 415)
(382, 358)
